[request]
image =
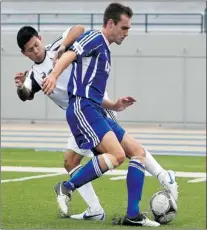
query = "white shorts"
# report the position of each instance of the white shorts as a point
(74, 147)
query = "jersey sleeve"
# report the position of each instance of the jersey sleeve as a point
(106, 97)
(57, 42)
(65, 33)
(88, 43)
(31, 84)
(111, 114)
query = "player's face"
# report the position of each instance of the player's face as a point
(34, 49)
(121, 29)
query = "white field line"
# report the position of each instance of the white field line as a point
(197, 180)
(59, 171)
(200, 177)
(118, 172)
(32, 169)
(30, 177)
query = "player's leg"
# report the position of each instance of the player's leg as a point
(90, 130)
(165, 177)
(91, 171)
(132, 147)
(113, 155)
(135, 179)
(72, 160)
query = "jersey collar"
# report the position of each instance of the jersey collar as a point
(38, 63)
(106, 41)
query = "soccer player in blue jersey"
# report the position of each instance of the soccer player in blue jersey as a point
(91, 63)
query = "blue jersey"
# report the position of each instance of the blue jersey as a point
(91, 69)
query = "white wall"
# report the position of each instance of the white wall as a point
(166, 73)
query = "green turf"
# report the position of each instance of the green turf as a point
(13, 175)
(31, 204)
(25, 157)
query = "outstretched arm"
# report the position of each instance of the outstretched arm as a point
(120, 105)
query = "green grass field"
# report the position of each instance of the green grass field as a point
(32, 204)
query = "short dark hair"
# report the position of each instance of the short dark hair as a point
(24, 35)
(114, 11)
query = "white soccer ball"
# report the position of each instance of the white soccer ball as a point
(163, 207)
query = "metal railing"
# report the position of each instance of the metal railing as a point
(146, 21)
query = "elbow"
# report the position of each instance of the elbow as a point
(80, 28)
(22, 98)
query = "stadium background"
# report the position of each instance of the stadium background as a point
(163, 68)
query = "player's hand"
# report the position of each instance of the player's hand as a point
(19, 79)
(58, 54)
(49, 84)
(123, 103)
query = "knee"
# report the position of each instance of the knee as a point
(68, 164)
(113, 161)
(121, 158)
(71, 160)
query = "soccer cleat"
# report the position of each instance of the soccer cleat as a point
(63, 198)
(141, 220)
(90, 214)
(167, 180)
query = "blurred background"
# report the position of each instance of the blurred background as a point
(162, 63)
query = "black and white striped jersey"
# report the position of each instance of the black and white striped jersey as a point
(39, 71)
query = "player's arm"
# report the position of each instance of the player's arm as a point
(85, 45)
(49, 83)
(68, 38)
(72, 35)
(22, 91)
(26, 85)
(24, 94)
(119, 105)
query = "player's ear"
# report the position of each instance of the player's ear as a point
(110, 23)
(40, 37)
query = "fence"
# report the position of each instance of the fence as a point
(146, 22)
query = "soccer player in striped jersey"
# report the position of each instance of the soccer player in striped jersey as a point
(30, 82)
(91, 63)
(26, 90)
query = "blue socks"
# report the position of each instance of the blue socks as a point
(135, 182)
(87, 173)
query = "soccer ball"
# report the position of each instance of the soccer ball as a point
(163, 207)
